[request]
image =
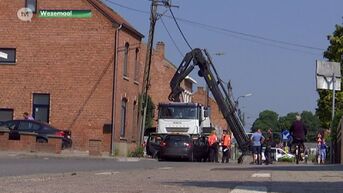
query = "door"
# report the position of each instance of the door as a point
(41, 107)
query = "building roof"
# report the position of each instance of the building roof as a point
(114, 17)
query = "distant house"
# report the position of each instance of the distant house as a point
(75, 73)
(217, 119)
(162, 71)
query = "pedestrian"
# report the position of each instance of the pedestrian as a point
(212, 143)
(257, 139)
(321, 148)
(268, 144)
(298, 132)
(27, 116)
(226, 146)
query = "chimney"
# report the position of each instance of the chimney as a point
(200, 89)
(160, 49)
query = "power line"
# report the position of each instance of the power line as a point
(209, 27)
(126, 7)
(178, 26)
(170, 36)
(251, 35)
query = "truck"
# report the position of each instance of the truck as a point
(201, 58)
(182, 118)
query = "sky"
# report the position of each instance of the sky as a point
(267, 48)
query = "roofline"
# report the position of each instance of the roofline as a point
(191, 79)
(111, 19)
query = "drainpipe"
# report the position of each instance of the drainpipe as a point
(114, 86)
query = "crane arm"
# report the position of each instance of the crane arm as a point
(224, 101)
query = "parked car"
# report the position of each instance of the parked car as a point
(176, 146)
(277, 153)
(43, 130)
(153, 144)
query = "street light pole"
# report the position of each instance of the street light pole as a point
(237, 103)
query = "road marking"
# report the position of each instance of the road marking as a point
(165, 168)
(249, 189)
(106, 173)
(128, 159)
(261, 175)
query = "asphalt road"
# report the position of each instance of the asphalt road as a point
(28, 165)
(82, 175)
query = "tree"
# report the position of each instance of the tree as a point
(324, 104)
(267, 119)
(285, 122)
(149, 112)
(312, 123)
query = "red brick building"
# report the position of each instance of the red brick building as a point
(162, 71)
(64, 70)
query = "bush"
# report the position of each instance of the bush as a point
(313, 158)
(138, 152)
(286, 159)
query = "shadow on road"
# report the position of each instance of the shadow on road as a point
(284, 168)
(272, 186)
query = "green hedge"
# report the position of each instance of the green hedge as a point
(286, 159)
(138, 152)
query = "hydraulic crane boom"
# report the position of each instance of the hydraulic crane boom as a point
(224, 101)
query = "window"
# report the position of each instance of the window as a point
(126, 58)
(123, 117)
(28, 126)
(6, 114)
(136, 65)
(41, 107)
(31, 4)
(7, 55)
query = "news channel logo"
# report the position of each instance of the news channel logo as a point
(25, 14)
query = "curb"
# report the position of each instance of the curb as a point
(66, 156)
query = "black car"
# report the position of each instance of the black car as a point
(43, 130)
(176, 146)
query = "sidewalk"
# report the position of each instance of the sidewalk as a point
(65, 154)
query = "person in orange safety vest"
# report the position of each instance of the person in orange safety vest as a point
(213, 146)
(226, 145)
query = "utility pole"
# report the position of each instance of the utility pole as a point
(147, 66)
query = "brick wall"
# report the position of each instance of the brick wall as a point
(72, 60)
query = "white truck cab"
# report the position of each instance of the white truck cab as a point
(179, 117)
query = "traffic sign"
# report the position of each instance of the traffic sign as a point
(286, 136)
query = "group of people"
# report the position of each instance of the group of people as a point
(298, 132)
(257, 139)
(214, 143)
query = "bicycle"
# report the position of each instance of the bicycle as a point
(298, 149)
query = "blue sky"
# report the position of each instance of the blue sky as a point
(280, 76)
